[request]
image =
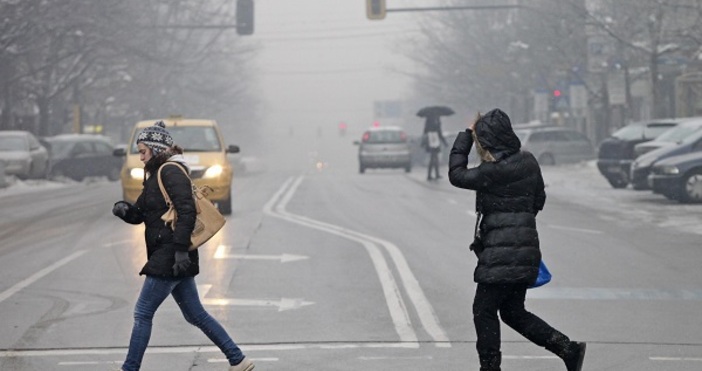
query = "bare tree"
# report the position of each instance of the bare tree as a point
(118, 60)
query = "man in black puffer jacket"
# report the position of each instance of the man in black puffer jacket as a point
(509, 193)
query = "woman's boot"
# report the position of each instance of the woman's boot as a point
(571, 352)
(574, 356)
(490, 362)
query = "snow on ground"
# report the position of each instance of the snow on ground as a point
(17, 187)
(583, 184)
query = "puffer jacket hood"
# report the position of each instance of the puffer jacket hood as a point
(495, 134)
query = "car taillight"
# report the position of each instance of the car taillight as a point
(366, 136)
(403, 136)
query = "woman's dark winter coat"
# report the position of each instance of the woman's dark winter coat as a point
(509, 194)
(161, 240)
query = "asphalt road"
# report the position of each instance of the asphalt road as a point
(322, 268)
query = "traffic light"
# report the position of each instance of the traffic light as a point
(375, 9)
(245, 17)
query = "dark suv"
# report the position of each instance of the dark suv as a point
(616, 153)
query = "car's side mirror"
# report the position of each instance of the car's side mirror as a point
(355, 143)
(119, 152)
(233, 149)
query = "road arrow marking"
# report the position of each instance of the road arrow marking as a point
(223, 253)
(283, 304)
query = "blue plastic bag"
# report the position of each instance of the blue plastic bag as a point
(544, 276)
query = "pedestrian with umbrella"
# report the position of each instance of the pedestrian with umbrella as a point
(509, 193)
(433, 136)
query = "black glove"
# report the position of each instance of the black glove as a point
(120, 209)
(182, 262)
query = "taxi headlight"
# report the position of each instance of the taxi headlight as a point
(668, 170)
(137, 173)
(213, 171)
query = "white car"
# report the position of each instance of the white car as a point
(22, 155)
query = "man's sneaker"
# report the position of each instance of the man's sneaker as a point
(576, 356)
(245, 365)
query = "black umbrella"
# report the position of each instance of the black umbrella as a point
(435, 111)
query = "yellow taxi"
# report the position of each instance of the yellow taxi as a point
(203, 149)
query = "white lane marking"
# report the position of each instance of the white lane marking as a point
(203, 349)
(222, 252)
(573, 229)
(381, 358)
(597, 293)
(393, 298)
(89, 363)
(282, 304)
(37, 276)
(676, 359)
(261, 359)
(426, 313)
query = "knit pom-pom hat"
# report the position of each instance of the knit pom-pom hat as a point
(156, 137)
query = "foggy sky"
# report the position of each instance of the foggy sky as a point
(322, 61)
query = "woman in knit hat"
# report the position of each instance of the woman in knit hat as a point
(170, 268)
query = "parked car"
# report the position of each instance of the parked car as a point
(555, 145)
(678, 177)
(641, 167)
(384, 147)
(204, 150)
(77, 156)
(616, 153)
(684, 128)
(23, 155)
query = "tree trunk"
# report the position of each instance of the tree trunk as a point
(44, 116)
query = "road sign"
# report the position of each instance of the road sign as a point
(387, 109)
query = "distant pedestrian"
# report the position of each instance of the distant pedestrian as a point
(433, 139)
(509, 193)
(170, 268)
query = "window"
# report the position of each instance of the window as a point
(539, 137)
(13, 144)
(386, 136)
(103, 148)
(574, 136)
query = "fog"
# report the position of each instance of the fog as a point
(310, 65)
(341, 250)
(323, 63)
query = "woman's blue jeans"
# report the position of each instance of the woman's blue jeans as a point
(184, 291)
